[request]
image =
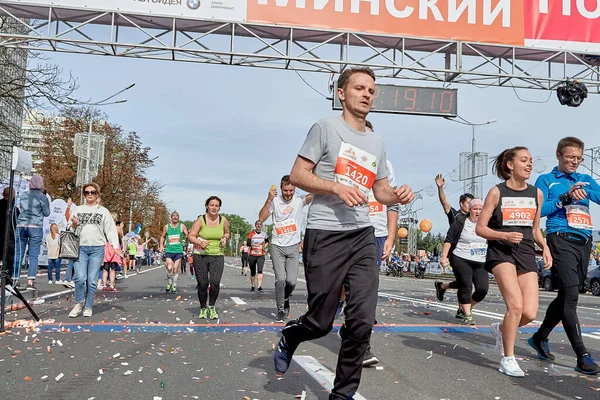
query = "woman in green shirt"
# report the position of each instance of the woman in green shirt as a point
(209, 234)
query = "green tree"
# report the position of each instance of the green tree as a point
(429, 242)
(237, 225)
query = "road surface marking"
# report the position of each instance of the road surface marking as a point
(322, 375)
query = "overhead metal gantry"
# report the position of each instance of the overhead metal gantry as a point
(115, 33)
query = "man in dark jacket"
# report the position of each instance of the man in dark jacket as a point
(10, 248)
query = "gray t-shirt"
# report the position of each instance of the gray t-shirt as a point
(347, 156)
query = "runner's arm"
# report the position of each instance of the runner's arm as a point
(445, 252)
(443, 201)
(303, 177)
(482, 229)
(264, 212)
(549, 206)
(593, 191)
(162, 238)
(385, 194)
(184, 229)
(537, 233)
(308, 199)
(225, 232)
(392, 225)
(192, 235)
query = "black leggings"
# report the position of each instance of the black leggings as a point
(469, 273)
(256, 262)
(244, 260)
(209, 270)
(564, 308)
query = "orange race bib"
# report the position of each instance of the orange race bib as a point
(285, 228)
(518, 211)
(578, 217)
(375, 207)
(356, 168)
(174, 239)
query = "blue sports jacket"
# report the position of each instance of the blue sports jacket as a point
(553, 185)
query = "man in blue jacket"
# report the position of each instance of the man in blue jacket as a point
(34, 206)
(567, 196)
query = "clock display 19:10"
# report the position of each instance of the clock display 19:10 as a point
(412, 100)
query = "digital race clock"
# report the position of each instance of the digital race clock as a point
(411, 100)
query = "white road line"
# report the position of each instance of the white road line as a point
(318, 371)
(488, 314)
(238, 301)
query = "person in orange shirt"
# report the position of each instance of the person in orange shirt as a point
(259, 241)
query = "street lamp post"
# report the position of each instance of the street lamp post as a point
(473, 155)
(104, 102)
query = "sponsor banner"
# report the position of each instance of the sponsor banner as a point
(568, 24)
(550, 24)
(493, 21)
(227, 10)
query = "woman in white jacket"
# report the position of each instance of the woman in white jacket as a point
(95, 226)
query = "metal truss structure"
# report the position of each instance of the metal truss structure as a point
(592, 162)
(115, 33)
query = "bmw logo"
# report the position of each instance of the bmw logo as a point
(193, 4)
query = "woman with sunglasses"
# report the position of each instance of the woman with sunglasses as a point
(95, 226)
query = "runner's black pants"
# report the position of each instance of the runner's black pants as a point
(469, 273)
(209, 271)
(333, 259)
(570, 259)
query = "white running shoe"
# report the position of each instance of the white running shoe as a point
(76, 311)
(87, 312)
(510, 367)
(495, 329)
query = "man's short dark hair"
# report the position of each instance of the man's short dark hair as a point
(348, 72)
(465, 197)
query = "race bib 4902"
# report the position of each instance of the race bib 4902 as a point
(518, 211)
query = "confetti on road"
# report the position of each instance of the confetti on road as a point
(59, 377)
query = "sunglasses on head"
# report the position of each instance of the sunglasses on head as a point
(90, 192)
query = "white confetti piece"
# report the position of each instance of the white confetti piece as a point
(160, 371)
(124, 363)
(116, 355)
(157, 398)
(128, 372)
(59, 343)
(100, 371)
(430, 354)
(44, 377)
(379, 368)
(140, 369)
(99, 378)
(59, 377)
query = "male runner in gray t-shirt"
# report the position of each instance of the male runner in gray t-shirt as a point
(340, 162)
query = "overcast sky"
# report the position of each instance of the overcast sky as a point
(233, 131)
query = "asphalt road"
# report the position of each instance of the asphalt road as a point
(142, 343)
